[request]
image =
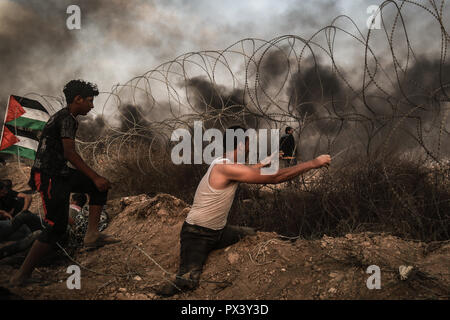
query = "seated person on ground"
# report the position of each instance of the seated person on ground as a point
(12, 202)
(19, 233)
(78, 219)
(77, 202)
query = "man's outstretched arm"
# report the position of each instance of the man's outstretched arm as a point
(71, 155)
(265, 162)
(242, 173)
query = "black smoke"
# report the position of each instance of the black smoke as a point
(132, 117)
(228, 105)
(273, 68)
(91, 128)
(315, 92)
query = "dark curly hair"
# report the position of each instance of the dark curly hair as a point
(79, 88)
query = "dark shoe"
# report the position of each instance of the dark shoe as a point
(167, 290)
(182, 283)
(248, 231)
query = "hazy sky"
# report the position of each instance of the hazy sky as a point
(120, 39)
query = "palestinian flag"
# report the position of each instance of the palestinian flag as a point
(23, 119)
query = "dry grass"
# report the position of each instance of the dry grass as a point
(402, 197)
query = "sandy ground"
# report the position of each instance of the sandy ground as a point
(264, 266)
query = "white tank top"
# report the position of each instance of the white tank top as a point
(211, 207)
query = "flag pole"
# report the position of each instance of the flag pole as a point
(4, 119)
(15, 132)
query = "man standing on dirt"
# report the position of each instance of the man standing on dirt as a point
(51, 176)
(287, 145)
(205, 228)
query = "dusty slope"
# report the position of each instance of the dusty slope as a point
(259, 267)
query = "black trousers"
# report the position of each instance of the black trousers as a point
(21, 231)
(20, 226)
(29, 219)
(196, 244)
(55, 193)
(19, 245)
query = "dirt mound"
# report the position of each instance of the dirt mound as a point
(264, 266)
(18, 173)
(163, 205)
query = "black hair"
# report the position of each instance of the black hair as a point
(79, 88)
(80, 199)
(2, 185)
(235, 142)
(287, 129)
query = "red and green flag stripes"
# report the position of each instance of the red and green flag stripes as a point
(23, 118)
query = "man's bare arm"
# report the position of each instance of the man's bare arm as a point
(71, 155)
(27, 200)
(242, 173)
(6, 214)
(265, 162)
(258, 165)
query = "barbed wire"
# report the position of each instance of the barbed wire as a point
(366, 95)
(295, 81)
(306, 83)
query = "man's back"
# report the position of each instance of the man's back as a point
(50, 154)
(287, 145)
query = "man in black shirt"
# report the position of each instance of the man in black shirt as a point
(287, 146)
(51, 176)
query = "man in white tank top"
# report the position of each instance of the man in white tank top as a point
(205, 228)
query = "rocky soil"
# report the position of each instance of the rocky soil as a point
(264, 266)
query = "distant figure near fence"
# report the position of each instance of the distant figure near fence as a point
(287, 147)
